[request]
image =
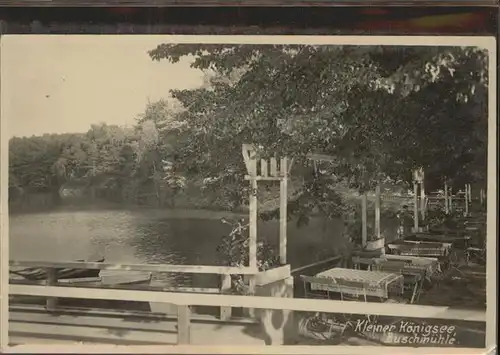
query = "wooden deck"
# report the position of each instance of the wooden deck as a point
(30, 325)
(34, 325)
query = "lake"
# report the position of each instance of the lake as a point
(155, 236)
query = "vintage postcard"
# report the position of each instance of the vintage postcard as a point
(248, 194)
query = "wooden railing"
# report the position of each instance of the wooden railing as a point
(183, 301)
(224, 272)
(384, 197)
(195, 269)
(321, 263)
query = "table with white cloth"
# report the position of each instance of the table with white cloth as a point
(372, 282)
(425, 266)
(458, 241)
(417, 248)
(431, 265)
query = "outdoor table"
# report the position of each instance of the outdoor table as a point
(421, 243)
(414, 275)
(431, 265)
(446, 231)
(372, 281)
(422, 237)
(415, 248)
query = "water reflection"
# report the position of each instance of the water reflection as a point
(149, 236)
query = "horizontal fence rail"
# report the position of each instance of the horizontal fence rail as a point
(337, 258)
(258, 302)
(185, 300)
(255, 278)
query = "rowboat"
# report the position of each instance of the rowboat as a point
(118, 279)
(107, 281)
(40, 274)
(77, 277)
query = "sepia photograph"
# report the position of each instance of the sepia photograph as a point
(248, 191)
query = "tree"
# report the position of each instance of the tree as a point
(381, 111)
(160, 134)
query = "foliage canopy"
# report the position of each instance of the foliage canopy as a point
(379, 111)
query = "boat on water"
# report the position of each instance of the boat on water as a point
(84, 278)
(123, 279)
(74, 276)
(40, 274)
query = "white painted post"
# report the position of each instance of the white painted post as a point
(252, 288)
(377, 212)
(263, 168)
(451, 200)
(418, 179)
(470, 194)
(466, 197)
(253, 224)
(51, 302)
(283, 209)
(422, 200)
(251, 165)
(415, 208)
(225, 312)
(274, 167)
(364, 217)
(253, 217)
(446, 201)
(183, 325)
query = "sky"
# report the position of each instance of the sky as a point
(59, 84)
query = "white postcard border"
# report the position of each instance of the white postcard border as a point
(488, 43)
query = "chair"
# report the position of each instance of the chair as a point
(322, 318)
(477, 252)
(390, 266)
(353, 291)
(316, 294)
(413, 277)
(361, 263)
(474, 251)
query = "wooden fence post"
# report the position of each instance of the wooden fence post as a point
(422, 201)
(377, 212)
(283, 210)
(252, 287)
(51, 281)
(183, 324)
(466, 199)
(225, 312)
(252, 235)
(415, 207)
(268, 172)
(364, 217)
(251, 165)
(446, 201)
(253, 220)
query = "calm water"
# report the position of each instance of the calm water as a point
(153, 236)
